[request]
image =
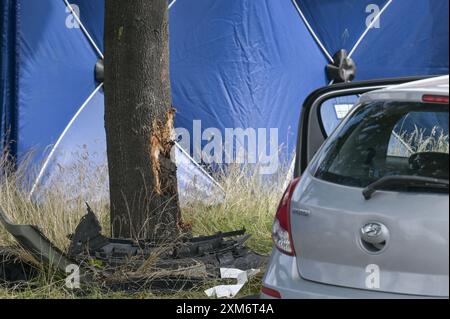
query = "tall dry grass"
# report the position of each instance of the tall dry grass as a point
(55, 210)
(249, 202)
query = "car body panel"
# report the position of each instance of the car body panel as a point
(282, 275)
(412, 91)
(330, 249)
(327, 219)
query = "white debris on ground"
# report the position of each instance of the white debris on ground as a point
(230, 291)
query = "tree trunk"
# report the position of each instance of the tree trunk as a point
(139, 121)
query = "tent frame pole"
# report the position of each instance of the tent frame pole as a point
(85, 31)
(313, 33)
(369, 27)
(60, 139)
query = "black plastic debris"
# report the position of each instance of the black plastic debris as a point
(135, 265)
(31, 239)
(13, 269)
(223, 250)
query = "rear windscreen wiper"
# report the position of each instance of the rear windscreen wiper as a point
(404, 180)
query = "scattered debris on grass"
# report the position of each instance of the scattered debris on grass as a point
(13, 269)
(230, 291)
(132, 265)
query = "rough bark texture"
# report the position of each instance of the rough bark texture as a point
(139, 120)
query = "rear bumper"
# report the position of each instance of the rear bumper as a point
(282, 275)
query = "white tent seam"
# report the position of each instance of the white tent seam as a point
(311, 30)
(199, 166)
(369, 27)
(172, 3)
(85, 31)
(58, 142)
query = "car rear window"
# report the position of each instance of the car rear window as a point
(388, 138)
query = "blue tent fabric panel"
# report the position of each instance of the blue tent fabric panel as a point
(79, 161)
(415, 44)
(56, 73)
(92, 15)
(228, 81)
(242, 64)
(338, 24)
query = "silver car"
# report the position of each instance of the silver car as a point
(367, 215)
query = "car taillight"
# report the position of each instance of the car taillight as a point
(281, 230)
(441, 99)
(271, 292)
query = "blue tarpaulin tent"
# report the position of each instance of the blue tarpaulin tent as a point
(234, 64)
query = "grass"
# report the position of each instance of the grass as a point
(249, 202)
(420, 140)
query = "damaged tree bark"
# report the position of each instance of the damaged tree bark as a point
(139, 121)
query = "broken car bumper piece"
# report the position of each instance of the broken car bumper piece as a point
(183, 266)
